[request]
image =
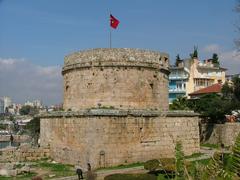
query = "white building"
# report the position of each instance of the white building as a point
(7, 102)
(1, 106)
(36, 103)
(28, 103)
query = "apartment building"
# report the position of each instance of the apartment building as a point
(191, 74)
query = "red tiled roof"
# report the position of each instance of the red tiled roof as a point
(215, 88)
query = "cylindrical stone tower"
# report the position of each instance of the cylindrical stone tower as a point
(118, 78)
(113, 111)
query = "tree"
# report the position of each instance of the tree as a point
(181, 103)
(227, 91)
(33, 128)
(28, 110)
(195, 53)
(15, 127)
(215, 60)
(25, 110)
(236, 88)
(178, 59)
(214, 107)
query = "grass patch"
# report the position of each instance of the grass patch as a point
(195, 155)
(203, 161)
(55, 167)
(212, 146)
(161, 177)
(122, 166)
(59, 170)
(49, 168)
(26, 176)
(131, 177)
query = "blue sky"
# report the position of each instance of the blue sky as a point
(41, 33)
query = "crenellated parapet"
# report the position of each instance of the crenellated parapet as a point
(117, 55)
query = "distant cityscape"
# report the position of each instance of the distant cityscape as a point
(8, 107)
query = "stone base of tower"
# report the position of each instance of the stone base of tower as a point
(104, 137)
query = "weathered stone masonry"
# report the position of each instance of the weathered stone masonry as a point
(119, 78)
(113, 137)
(116, 103)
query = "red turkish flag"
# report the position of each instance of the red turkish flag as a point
(114, 22)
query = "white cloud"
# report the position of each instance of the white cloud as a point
(9, 63)
(51, 71)
(229, 59)
(22, 80)
(211, 48)
(231, 55)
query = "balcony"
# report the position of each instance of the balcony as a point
(177, 91)
(172, 77)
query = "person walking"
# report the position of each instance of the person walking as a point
(90, 174)
(79, 171)
(11, 140)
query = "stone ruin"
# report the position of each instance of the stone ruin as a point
(116, 110)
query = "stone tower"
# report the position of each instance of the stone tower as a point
(116, 78)
(116, 110)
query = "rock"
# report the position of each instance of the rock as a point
(51, 175)
(12, 172)
(25, 146)
(25, 169)
(4, 172)
(10, 166)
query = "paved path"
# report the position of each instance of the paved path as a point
(102, 173)
(207, 153)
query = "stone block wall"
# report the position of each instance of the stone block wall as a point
(23, 153)
(220, 133)
(16, 138)
(117, 137)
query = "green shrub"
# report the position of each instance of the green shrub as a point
(151, 165)
(168, 164)
(180, 161)
(235, 157)
(217, 167)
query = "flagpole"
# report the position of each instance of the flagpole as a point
(110, 31)
(110, 37)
